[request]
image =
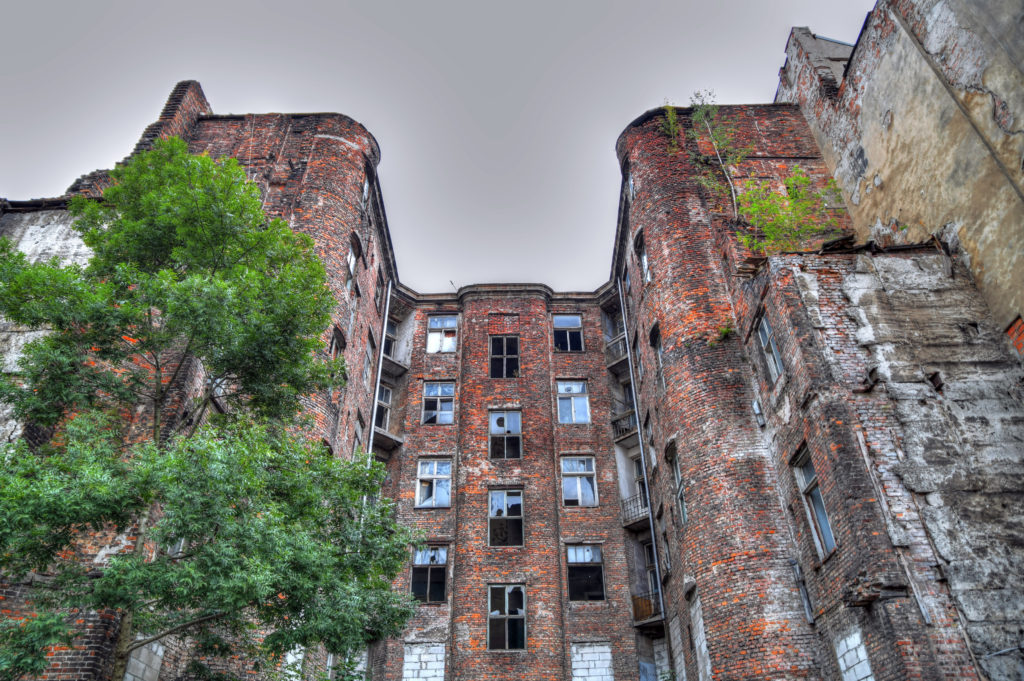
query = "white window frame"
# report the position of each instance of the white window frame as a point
(569, 393)
(383, 407)
(506, 432)
(442, 333)
(504, 356)
(504, 513)
(442, 417)
(640, 249)
(770, 350)
(575, 477)
(814, 503)
(428, 478)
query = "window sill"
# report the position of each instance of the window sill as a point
(580, 506)
(513, 651)
(826, 558)
(432, 508)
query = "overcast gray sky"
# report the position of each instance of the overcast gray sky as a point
(496, 121)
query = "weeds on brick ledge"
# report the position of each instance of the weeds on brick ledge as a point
(785, 222)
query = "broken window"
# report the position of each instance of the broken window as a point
(651, 567)
(429, 574)
(378, 293)
(434, 483)
(441, 333)
(383, 416)
(355, 251)
(390, 338)
(368, 361)
(573, 402)
(337, 345)
(638, 360)
(506, 440)
(579, 483)
(677, 474)
(648, 430)
(504, 356)
(505, 517)
(438, 403)
(586, 573)
(640, 249)
(638, 481)
(568, 333)
(771, 351)
(814, 504)
(357, 441)
(655, 338)
(506, 617)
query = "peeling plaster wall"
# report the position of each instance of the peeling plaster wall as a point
(40, 235)
(943, 430)
(925, 133)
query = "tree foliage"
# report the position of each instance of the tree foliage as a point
(711, 169)
(250, 539)
(784, 222)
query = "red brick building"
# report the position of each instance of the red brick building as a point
(718, 465)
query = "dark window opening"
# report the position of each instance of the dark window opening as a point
(505, 521)
(568, 333)
(506, 438)
(504, 356)
(586, 573)
(429, 574)
(506, 617)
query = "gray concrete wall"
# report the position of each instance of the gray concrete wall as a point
(925, 133)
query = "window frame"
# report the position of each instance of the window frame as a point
(576, 475)
(809, 488)
(390, 338)
(505, 357)
(599, 563)
(442, 334)
(571, 397)
(640, 250)
(680, 490)
(441, 399)
(360, 429)
(571, 332)
(769, 348)
(434, 479)
(506, 517)
(430, 568)
(506, 435)
(504, 615)
(384, 407)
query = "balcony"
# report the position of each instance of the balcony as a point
(624, 428)
(392, 367)
(385, 441)
(646, 608)
(635, 511)
(615, 356)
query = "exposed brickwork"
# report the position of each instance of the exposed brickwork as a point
(895, 384)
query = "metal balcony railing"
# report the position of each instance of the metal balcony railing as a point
(646, 606)
(615, 349)
(623, 424)
(635, 509)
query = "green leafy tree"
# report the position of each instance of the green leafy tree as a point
(249, 538)
(785, 222)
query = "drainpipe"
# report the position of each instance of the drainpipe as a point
(643, 450)
(380, 371)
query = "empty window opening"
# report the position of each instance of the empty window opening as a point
(585, 573)
(506, 617)
(506, 438)
(568, 332)
(504, 356)
(429, 574)
(505, 521)
(390, 338)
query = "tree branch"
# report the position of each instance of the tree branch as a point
(174, 630)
